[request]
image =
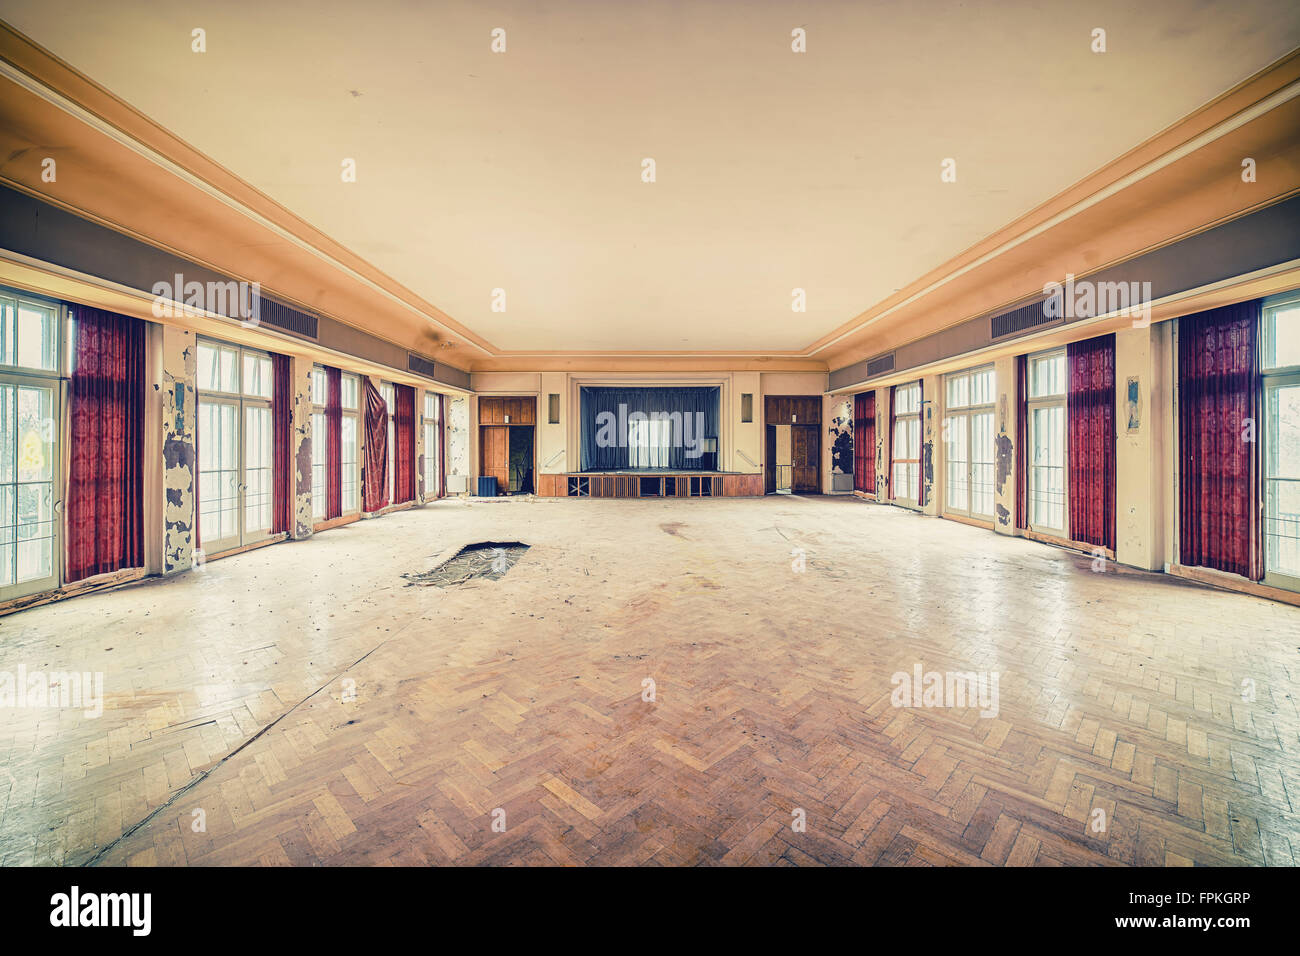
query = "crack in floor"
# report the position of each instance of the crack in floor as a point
(99, 855)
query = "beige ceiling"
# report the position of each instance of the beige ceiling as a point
(776, 170)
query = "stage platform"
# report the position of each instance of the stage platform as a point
(650, 483)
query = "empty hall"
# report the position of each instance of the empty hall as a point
(580, 434)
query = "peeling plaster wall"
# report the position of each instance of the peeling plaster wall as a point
(419, 445)
(458, 444)
(300, 425)
(838, 465)
(930, 434)
(1004, 444)
(1142, 461)
(180, 467)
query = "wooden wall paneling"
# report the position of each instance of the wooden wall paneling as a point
(781, 409)
(494, 447)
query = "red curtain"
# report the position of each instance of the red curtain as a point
(1090, 430)
(333, 443)
(281, 442)
(106, 395)
(1022, 438)
(404, 435)
(442, 445)
(1218, 391)
(374, 453)
(864, 442)
(889, 448)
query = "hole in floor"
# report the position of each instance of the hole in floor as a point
(486, 559)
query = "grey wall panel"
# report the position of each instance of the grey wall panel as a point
(50, 234)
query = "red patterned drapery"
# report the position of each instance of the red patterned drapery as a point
(281, 443)
(1090, 430)
(864, 442)
(404, 435)
(1218, 406)
(333, 443)
(106, 396)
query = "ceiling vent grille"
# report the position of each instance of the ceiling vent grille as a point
(420, 365)
(286, 319)
(1023, 319)
(880, 364)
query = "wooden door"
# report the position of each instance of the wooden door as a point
(806, 458)
(494, 445)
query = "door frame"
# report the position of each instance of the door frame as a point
(535, 398)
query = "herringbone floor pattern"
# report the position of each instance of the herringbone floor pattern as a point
(316, 711)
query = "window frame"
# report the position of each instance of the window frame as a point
(56, 380)
(431, 427)
(1272, 380)
(968, 412)
(913, 499)
(319, 455)
(242, 400)
(1032, 403)
(353, 413)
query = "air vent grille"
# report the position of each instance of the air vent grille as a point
(1026, 317)
(286, 319)
(880, 364)
(420, 365)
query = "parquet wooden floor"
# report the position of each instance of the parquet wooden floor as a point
(230, 692)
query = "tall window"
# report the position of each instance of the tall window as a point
(390, 400)
(319, 439)
(235, 445)
(906, 446)
(432, 428)
(1281, 451)
(1046, 412)
(968, 440)
(351, 450)
(30, 483)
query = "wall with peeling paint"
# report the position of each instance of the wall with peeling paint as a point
(931, 433)
(180, 465)
(1004, 445)
(458, 444)
(300, 430)
(1142, 453)
(837, 444)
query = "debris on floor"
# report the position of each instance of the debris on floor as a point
(486, 559)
